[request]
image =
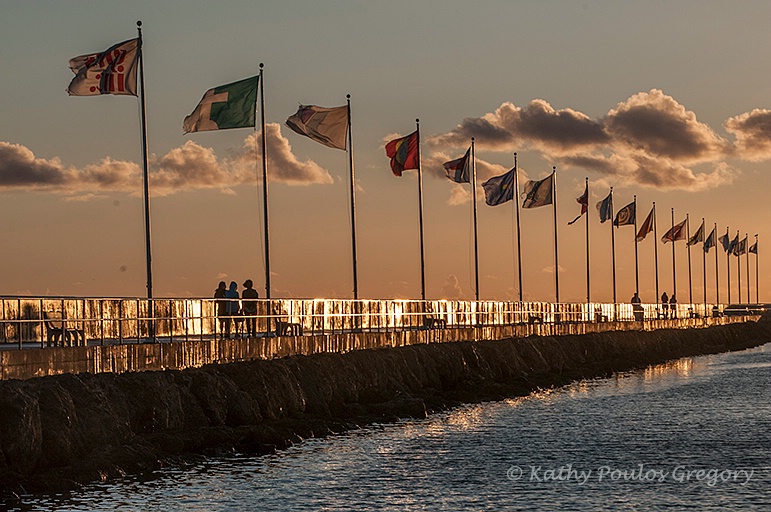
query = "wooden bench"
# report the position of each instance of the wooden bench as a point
(57, 332)
(287, 328)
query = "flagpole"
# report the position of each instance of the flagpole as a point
(353, 204)
(474, 202)
(519, 237)
(613, 250)
(674, 265)
(265, 184)
(688, 246)
(704, 268)
(556, 245)
(717, 274)
(588, 281)
(420, 217)
(747, 252)
(636, 261)
(728, 266)
(145, 173)
(738, 267)
(656, 250)
(757, 279)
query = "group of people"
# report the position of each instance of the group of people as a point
(667, 304)
(234, 312)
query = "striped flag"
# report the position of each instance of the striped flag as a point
(605, 207)
(403, 153)
(458, 170)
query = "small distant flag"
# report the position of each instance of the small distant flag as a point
(725, 241)
(499, 189)
(227, 106)
(741, 247)
(698, 236)
(605, 207)
(710, 241)
(733, 244)
(113, 71)
(626, 215)
(646, 227)
(458, 170)
(754, 248)
(538, 193)
(675, 233)
(327, 126)
(403, 153)
(584, 202)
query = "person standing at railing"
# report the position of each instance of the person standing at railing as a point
(250, 297)
(637, 309)
(673, 306)
(665, 305)
(220, 307)
(232, 309)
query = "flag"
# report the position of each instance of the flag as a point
(499, 189)
(725, 242)
(698, 236)
(626, 215)
(605, 207)
(753, 248)
(710, 241)
(732, 245)
(740, 247)
(458, 170)
(538, 193)
(675, 233)
(584, 202)
(646, 227)
(227, 106)
(403, 153)
(113, 71)
(327, 126)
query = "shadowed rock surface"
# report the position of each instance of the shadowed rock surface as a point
(62, 431)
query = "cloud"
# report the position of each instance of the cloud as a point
(648, 140)
(451, 288)
(753, 134)
(187, 167)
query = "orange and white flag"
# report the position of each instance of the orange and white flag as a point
(113, 71)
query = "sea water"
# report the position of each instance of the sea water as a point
(694, 433)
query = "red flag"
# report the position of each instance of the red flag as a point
(646, 227)
(403, 153)
(584, 202)
(113, 71)
(675, 233)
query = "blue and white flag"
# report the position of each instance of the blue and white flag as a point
(605, 207)
(499, 189)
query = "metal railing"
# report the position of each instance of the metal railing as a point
(138, 320)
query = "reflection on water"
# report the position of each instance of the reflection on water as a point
(689, 433)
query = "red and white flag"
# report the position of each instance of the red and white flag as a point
(113, 71)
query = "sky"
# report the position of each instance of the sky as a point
(666, 101)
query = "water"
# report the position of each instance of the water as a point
(695, 433)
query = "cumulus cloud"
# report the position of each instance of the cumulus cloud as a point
(649, 140)
(451, 288)
(187, 167)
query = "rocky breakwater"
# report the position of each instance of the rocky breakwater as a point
(61, 431)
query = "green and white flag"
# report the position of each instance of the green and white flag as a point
(227, 106)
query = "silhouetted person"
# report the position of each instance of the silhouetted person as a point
(665, 305)
(232, 309)
(673, 306)
(250, 307)
(220, 306)
(637, 309)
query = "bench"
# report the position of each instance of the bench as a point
(431, 322)
(287, 328)
(57, 332)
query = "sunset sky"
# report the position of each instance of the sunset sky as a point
(670, 101)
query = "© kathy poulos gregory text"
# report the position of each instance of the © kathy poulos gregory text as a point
(568, 473)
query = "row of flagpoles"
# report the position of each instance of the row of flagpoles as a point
(119, 69)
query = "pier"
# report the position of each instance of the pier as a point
(117, 335)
